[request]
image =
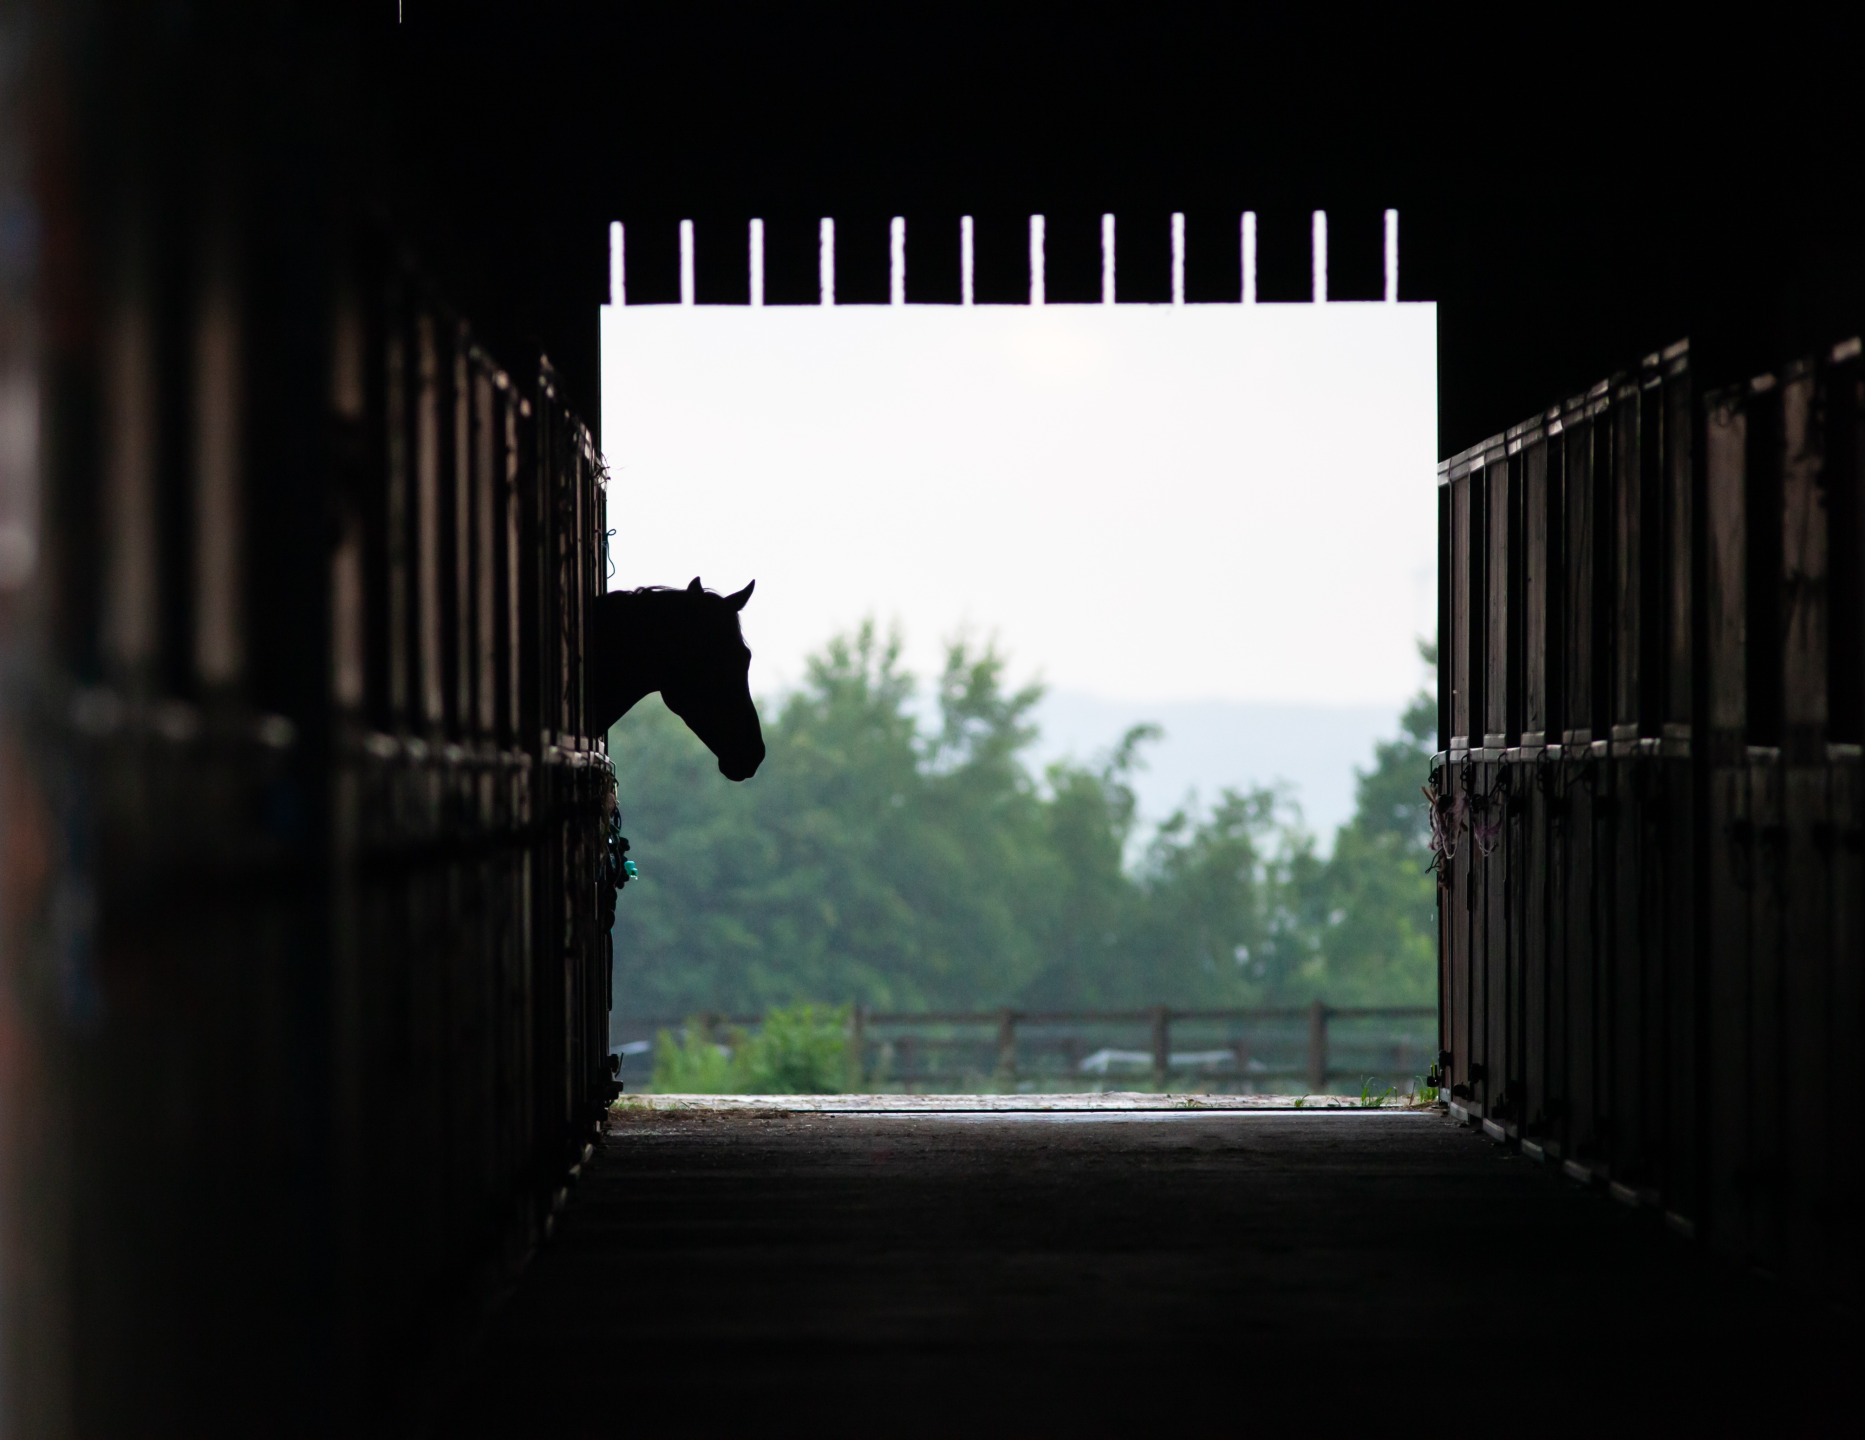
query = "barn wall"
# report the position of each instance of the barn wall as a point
(304, 995)
(1650, 798)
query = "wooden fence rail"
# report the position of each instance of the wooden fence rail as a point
(1009, 1027)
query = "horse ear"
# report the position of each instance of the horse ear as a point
(696, 588)
(737, 602)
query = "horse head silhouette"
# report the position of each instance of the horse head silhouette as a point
(686, 644)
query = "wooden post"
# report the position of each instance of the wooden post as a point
(1162, 1044)
(857, 1045)
(1006, 1045)
(1317, 1048)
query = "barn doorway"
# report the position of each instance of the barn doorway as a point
(1068, 460)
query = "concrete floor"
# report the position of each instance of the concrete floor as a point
(1104, 1273)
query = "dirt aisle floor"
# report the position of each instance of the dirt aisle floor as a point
(1126, 1273)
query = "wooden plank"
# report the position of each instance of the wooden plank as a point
(1501, 580)
(430, 708)
(1602, 569)
(1519, 871)
(1676, 874)
(1808, 1077)
(1845, 1026)
(1621, 449)
(1605, 882)
(1556, 1106)
(1653, 579)
(398, 593)
(458, 532)
(1639, 1013)
(1627, 490)
(1578, 525)
(1473, 532)
(1447, 687)
(1804, 543)
(1650, 835)
(1627, 1087)
(1505, 715)
(1620, 622)
(1846, 1023)
(1554, 569)
(1642, 834)
(1551, 788)
(1845, 502)
(1529, 836)
(1490, 645)
(1729, 859)
(1457, 908)
(1682, 848)
(1580, 1139)
(1766, 592)
(1763, 475)
(1498, 996)
(508, 599)
(1456, 644)
(1477, 913)
(1476, 585)
(486, 557)
(1533, 460)
(1536, 844)
(1805, 632)
(1574, 981)
(1725, 610)
(1767, 1117)
(1726, 1067)
(1679, 543)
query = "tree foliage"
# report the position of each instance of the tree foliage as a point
(875, 862)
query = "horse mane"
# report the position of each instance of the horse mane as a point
(649, 590)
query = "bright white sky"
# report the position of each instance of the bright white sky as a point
(1145, 503)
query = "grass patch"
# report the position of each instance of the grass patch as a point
(802, 1050)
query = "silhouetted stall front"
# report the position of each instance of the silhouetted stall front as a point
(1648, 798)
(306, 907)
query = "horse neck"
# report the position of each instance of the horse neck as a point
(653, 629)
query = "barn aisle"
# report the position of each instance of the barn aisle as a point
(747, 1270)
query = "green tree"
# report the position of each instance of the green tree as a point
(1380, 936)
(865, 862)
(871, 863)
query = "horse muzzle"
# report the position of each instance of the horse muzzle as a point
(741, 766)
